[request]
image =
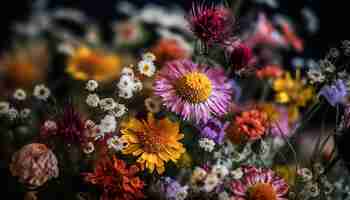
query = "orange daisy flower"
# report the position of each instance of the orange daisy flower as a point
(155, 142)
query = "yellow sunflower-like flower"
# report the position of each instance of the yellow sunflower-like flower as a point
(96, 64)
(294, 92)
(154, 142)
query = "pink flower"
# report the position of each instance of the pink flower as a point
(195, 92)
(34, 164)
(259, 184)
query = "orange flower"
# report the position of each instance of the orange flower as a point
(117, 181)
(98, 65)
(249, 125)
(169, 49)
(25, 65)
(270, 71)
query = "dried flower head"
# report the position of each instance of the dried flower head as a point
(34, 164)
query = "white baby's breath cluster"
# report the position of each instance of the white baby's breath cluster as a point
(206, 144)
(206, 181)
(107, 125)
(13, 113)
(128, 84)
(116, 143)
(107, 104)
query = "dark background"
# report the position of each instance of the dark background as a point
(332, 14)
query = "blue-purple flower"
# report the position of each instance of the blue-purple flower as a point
(170, 189)
(214, 129)
(335, 93)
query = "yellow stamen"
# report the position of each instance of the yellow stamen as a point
(194, 87)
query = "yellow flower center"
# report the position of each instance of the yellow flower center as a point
(262, 191)
(152, 141)
(194, 87)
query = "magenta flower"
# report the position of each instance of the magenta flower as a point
(258, 184)
(211, 24)
(195, 92)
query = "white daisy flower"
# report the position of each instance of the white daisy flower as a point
(149, 57)
(126, 83)
(91, 85)
(210, 182)
(126, 94)
(119, 110)
(41, 92)
(128, 71)
(92, 100)
(137, 85)
(220, 170)
(206, 144)
(89, 148)
(25, 113)
(116, 143)
(4, 107)
(146, 67)
(107, 104)
(108, 124)
(20, 95)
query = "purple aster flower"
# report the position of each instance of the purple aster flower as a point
(193, 91)
(335, 93)
(170, 189)
(214, 129)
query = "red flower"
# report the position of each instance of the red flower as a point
(211, 24)
(71, 126)
(240, 55)
(117, 181)
(270, 71)
(248, 126)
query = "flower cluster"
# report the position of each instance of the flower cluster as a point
(162, 106)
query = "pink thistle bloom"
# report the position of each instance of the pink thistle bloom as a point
(258, 184)
(193, 91)
(211, 24)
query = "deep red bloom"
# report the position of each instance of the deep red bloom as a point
(211, 24)
(71, 126)
(116, 179)
(240, 56)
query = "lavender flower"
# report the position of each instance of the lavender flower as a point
(214, 130)
(170, 189)
(335, 93)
